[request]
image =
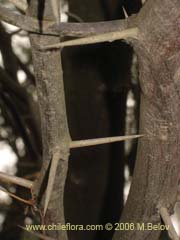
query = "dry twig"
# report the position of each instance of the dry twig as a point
(29, 202)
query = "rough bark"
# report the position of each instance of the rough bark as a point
(156, 176)
(156, 173)
(55, 134)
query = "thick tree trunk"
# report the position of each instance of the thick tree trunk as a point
(156, 176)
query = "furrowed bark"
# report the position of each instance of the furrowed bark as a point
(55, 134)
(156, 175)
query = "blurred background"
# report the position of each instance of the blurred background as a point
(102, 98)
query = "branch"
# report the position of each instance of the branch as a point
(21, 21)
(105, 37)
(16, 197)
(22, 6)
(93, 28)
(54, 125)
(4, 177)
(98, 141)
(167, 220)
(64, 29)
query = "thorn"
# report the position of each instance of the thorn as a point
(74, 16)
(167, 220)
(16, 197)
(104, 37)
(98, 141)
(39, 235)
(51, 178)
(4, 177)
(125, 13)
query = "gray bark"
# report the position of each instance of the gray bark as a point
(156, 175)
(55, 134)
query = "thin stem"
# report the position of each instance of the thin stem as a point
(16, 197)
(98, 141)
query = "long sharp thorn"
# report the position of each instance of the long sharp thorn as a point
(51, 178)
(4, 177)
(167, 220)
(98, 141)
(125, 13)
(104, 37)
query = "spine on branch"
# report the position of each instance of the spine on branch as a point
(131, 33)
(98, 141)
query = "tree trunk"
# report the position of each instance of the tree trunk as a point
(55, 134)
(156, 175)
